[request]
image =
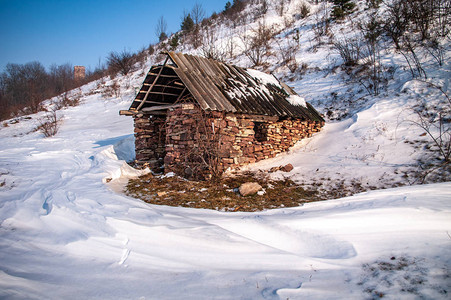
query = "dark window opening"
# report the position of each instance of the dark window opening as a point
(261, 131)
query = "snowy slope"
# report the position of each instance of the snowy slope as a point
(66, 233)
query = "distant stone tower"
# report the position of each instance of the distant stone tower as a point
(79, 73)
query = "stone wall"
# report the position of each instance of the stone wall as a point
(254, 138)
(150, 136)
(231, 140)
(195, 143)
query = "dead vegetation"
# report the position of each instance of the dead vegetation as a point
(404, 276)
(221, 194)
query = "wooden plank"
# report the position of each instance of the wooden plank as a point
(213, 93)
(127, 113)
(199, 83)
(176, 59)
(165, 86)
(181, 95)
(157, 113)
(154, 102)
(191, 88)
(162, 75)
(215, 96)
(161, 93)
(158, 107)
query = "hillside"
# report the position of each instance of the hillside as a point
(67, 232)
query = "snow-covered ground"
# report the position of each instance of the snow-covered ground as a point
(66, 233)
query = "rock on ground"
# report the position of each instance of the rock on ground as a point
(249, 188)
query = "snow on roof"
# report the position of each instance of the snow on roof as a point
(218, 86)
(297, 100)
(264, 78)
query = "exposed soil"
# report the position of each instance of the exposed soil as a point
(221, 194)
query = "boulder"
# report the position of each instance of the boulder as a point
(287, 168)
(249, 188)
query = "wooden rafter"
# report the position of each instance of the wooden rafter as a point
(152, 102)
(165, 86)
(163, 75)
(160, 93)
(153, 83)
(180, 96)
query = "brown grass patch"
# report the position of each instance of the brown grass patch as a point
(221, 194)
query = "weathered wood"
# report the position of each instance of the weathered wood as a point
(163, 75)
(180, 96)
(127, 113)
(160, 93)
(165, 86)
(154, 102)
(159, 107)
(150, 88)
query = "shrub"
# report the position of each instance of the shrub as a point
(342, 8)
(120, 62)
(49, 124)
(304, 10)
(113, 90)
(349, 50)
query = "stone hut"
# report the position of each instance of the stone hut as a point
(198, 117)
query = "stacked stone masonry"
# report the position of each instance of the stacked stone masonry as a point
(238, 139)
(150, 140)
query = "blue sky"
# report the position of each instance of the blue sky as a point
(82, 32)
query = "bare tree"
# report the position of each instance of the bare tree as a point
(288, 54)
(209, 47)
(121, 62)
(197, 13)
(161, 29)
(321, 17)
(256, 45)
(62, 77)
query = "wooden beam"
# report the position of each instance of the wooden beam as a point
(163, 86)
(162, 75)
(160, 93)
(153, 83)
(157, 107)
(153, 102)
(180, 96)
(127, 113)
(157, 113)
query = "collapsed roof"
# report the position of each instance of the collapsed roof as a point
(217, 86)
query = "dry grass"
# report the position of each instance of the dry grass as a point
(219, 195)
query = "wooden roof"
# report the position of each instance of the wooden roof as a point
(216, 86)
